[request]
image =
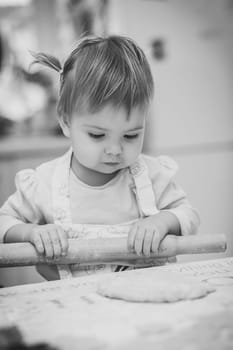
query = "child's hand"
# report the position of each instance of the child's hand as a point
(146, 235)
(49, 239)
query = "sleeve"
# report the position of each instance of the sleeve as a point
(21, 207)
(170, 196)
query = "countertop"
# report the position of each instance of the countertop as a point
(28, 145)
(70, 315)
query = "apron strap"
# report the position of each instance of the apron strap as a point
(61, 201)
(60, 190)
(144, 190)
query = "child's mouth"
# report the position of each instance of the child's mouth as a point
(111, 163)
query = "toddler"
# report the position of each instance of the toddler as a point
(103, 186)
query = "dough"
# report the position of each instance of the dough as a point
(154, 287)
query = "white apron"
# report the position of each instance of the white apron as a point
(62, 215)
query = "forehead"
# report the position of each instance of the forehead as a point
(111, 117)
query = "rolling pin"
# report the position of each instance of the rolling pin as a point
(110, 250)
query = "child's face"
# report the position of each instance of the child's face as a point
(106, 141)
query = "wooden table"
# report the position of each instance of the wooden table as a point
(71, 315)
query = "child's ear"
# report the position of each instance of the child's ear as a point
(64, 124)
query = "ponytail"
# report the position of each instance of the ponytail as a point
(46, 60)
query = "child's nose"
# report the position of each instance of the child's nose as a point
(114, 149)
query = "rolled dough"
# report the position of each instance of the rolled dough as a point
(156, 287)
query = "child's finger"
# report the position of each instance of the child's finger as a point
(39, 244)
(155, 242)
(63, 240)
(139, 239)
(55, 240)
(147, 243)
(131, 238)
(47, 244)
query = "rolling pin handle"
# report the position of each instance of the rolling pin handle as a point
(168, 246)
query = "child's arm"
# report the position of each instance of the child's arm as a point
(22, 217)
(146, 235)
(176, 215)
(23, 206)
(49, 239)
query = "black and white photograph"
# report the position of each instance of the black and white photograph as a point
(116, 174)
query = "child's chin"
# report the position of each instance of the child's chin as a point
(113, 171)
(110, 169)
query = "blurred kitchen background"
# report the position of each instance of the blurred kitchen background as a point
(189, 45)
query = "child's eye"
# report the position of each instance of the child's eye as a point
(131, 137)
(96, 136)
